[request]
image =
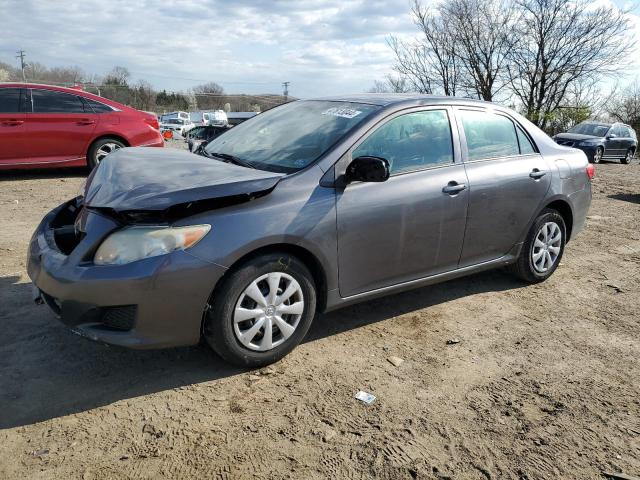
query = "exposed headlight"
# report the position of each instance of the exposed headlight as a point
(586, 143)
(136, 243)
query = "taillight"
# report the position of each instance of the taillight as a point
(152, 122)
(591, 171)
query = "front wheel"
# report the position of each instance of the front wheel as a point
(262, 311)
(628, 157)
(542, 249)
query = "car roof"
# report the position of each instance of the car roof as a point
(386, 99)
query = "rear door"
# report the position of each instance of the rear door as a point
(12, 126)
(613, 144)
(60, 127)
(627, 141)
(508, 179)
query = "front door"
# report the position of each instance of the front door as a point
(508, 180)
(60, 127)
(12, 126)
(407, 227)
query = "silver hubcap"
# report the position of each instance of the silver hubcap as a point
(546, 247)
(268, 311)
(105, 150)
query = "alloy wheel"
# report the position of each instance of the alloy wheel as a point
(105, 150)
(546, 247)
(268, 311)
(597, 157)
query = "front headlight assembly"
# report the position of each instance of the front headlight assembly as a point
(589, 143)
(135, 243)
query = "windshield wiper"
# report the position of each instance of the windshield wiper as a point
(230, 159)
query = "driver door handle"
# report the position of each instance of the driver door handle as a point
(454, 187)
(13, 123)
(536, 173)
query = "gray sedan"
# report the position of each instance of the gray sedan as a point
(306, 208)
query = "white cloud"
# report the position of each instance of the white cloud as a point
(322, 47)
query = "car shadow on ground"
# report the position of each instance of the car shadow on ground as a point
(626, 197)
(48, 372)
(42, 174)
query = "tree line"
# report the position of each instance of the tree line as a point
(549, 59)
(118, 85)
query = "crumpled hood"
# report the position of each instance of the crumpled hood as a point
(575, 137)
(159, 178)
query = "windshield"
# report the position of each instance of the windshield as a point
(290, 137)
(595, 129)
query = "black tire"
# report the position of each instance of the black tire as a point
(92, 155)
(524, 268)
(218, 328)
(597, 155)
(628, 157)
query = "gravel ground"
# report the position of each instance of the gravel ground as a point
(543, 383)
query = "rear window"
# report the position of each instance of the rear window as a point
(48, 101)
(10, 100)
(97, 107)
(489, 135)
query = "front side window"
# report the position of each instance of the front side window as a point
(289, 137)
(489, 135)
(10, 99)
(48, 101)
(412, 141)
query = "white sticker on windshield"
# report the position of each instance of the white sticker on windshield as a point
(342, 112)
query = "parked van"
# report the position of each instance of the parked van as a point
(180, 115)
(218, 118)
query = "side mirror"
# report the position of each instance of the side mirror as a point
(367, 169)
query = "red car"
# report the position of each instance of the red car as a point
(45, 126)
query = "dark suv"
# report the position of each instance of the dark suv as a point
(601, 141)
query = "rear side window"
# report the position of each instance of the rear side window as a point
(526, 147)
(48, 101)
(412, 141)
(489, 135)
(98, 107)
(10, 100)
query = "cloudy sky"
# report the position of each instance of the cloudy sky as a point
(321, 47)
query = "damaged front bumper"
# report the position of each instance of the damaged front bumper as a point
(150, 303)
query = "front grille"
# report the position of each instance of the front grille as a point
(119, 318)
(566, 143)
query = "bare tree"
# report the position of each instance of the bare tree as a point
(208, 96)
(626, 107)
(429, 64)
(560, 43)
(390, 84)
(118, 76)
(481, 30)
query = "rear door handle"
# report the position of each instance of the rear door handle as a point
(13, 123)
(86, 121)
(454, 187)
(536, 174)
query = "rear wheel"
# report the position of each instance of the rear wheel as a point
(100, 149)
(262, 311)
(597, 155)
(628, 157)
(543, 248)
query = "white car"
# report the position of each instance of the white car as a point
(177, 126)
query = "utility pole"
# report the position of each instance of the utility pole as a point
(286, 90)
(21, 55)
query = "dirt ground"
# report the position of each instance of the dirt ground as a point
(544, 383)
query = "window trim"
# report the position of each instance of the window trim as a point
(516, 124)
(455, 141)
